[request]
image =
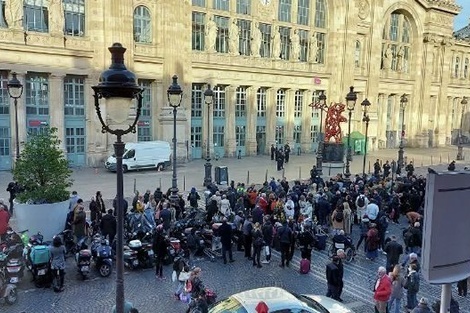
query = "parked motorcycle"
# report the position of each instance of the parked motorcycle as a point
(11, 260)
(67, 239)
(30, 242)
(83, 258)
(8, 292)
(138, 255)
(102, 255)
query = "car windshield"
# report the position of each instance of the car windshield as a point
(229, 305)
(312, 303)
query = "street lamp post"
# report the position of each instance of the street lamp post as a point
(321, 106)
(15, 90)
(401, 152)
(351, 99)
(460, 143)
(365, 104)
(118, 87)
(175, 96)
(208, 98)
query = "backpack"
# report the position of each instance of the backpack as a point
(192, 197)
(361, 202)
(339, 216)
(383, 222)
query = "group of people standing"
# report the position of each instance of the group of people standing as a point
(280, 155)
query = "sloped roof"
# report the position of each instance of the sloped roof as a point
(463, 33)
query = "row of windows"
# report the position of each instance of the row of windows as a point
(37, 100)
(461, 67)
(298, 44)
(34, 15)
(219, 102)
(285, 9)
(218, 137)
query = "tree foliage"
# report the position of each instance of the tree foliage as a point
(42, 169)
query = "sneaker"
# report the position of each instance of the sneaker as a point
(265, 262)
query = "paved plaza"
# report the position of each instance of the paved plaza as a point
(150, 295)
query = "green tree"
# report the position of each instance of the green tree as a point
(42, 169)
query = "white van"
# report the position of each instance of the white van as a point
(142, 155)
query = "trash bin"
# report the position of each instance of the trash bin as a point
(221, 175)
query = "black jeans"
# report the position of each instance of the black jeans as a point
(159, 265)
(363, 237)
(285, 247)
(256, 255)
(226, 249)
(248, 239)
(306, 254)
(462, 287)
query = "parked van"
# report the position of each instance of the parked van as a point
(143, 155)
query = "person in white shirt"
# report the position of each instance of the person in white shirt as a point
(361, 209)
(289, 208)
(372, 211)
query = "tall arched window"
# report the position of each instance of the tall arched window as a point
(456, 67)
(142, 25)
(357, 54)
(397, 43)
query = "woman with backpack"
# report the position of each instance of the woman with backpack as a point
(337, 220)
(394, 304)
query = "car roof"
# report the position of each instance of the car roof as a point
(275, 298)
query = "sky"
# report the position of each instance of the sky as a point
(463, 18)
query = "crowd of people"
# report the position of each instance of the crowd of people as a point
(288, 216)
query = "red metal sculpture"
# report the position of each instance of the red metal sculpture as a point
(332, 122)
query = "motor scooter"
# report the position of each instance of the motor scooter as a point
(8, 292)
(11, 259)
(102, 255)
(83, 258)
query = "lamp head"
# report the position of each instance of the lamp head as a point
(208, 95)
(403, 101)
(322, 99)
(118, 86)
(14, 87)
(365, 104)
(351, 99)
(175, 93)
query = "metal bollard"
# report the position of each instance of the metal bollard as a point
(300, 172)
(248, 178)
(431, 160)
(440, 158)
(160, 183)
(184, 182)
(135, 185)
(266, 176)
(329, 170)
(369, 168)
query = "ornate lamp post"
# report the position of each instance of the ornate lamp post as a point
(401, 160)
(118, 87)
(365, 118)
(321, 105)
(208, 98)
(460, 144)
(351, 99)
(15, 90)
(175, 96)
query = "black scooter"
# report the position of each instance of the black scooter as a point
(83, 258)
(102, 255)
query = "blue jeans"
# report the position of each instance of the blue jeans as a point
(411, 300)
(179, 288)
(394, 301)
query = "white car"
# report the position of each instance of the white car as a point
(277, 300)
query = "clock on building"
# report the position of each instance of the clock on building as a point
(265, 2)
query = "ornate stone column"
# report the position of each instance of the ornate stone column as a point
(271, 116)
(56, 106)
(251, 116)
(230, 140)
(289, 115)
(306, 141)
(21, 106)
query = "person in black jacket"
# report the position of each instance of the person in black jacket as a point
(225, 233)
(334, 278)
(394, 250)
(268, 233)
(285, 237)
(108, 226)
(159, 247)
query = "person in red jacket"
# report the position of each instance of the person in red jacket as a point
(382, 290)
(263, 203)
(4, 219)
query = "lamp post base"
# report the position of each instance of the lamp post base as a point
(174, 197)
(319, 164)
(401, 159)
(460, 156)
(207, 173)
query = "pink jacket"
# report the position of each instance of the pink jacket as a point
(384, 289)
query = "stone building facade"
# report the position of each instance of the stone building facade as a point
(266, 60)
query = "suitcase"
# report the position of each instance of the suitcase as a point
(321, 239)
(304, 266)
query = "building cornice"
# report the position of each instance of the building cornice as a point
(442, 5)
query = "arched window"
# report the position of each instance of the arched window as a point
(396, 44)
(357, 54)
(456, 67)
(465, 69)
(142, 25)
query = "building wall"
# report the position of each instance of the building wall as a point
(432, 69)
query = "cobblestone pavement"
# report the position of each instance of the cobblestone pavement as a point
(150, 295)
